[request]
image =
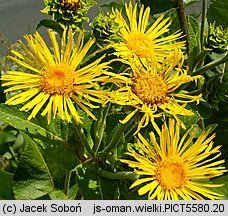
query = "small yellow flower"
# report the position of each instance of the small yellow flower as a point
(55, 80)
(143, 41)
(174, 166)
(151, 90)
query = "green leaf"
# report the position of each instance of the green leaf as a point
(218, 12)
(32, 178)
(109, 189)
(194, 40)
(73, 192)
(6, 137)
(224, 189)
(18, 119)
(88, 182)
(45, 2)
(50, 24)
(58, 195)
(189, 121)
(57, 153)
(204, 109)
(194, 31)
(212, 127)
(6, 192)
(59, 158)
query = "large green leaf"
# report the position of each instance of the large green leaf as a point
(46, 143)
(59, 158)
(32, 178)
(88, 182)
(6, 179)
(14, 117)
(109, 188)
(46, 163)
(218, 12)
(94, 186)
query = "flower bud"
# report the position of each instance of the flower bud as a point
(216, 39)
(69, 12)
(71, 5)
(104, 28)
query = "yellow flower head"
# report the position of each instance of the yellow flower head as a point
(151, 89)
(140, 40)
(174, 165)
(54, 81)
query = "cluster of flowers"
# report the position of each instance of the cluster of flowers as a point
(54, 83)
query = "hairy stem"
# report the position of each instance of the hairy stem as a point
(183, 21)
(203, 18)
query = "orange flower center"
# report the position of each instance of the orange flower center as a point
(171, 174)
(139, 44)
(58, 79)
(71, 5)
(150, 88)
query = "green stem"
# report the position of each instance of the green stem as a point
(81, 135)
(118, 175)
(203, 18)
(100, 132)
(67, 182)
(116, 138)
(211, 65)
(99, 136)
(223, 72)
(130, 133)
(201, 57)
(13, 154)
(183, 21)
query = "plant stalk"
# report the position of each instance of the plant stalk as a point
(118, 175)
(80, 133)
(211, 65)
(67, 182)
(203, 19)
(99, 136)
(183, 21)
(201, 57)
(116, 137)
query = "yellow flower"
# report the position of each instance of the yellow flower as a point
(174, 166)
(151, 90)
(140, 40)
(54, 81)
